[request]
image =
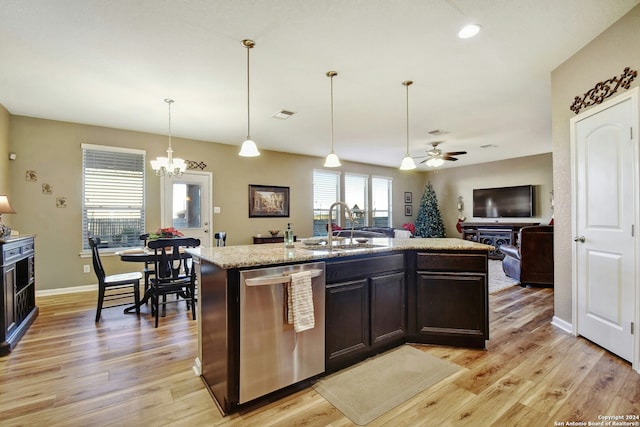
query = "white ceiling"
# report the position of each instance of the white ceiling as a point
(112, 62)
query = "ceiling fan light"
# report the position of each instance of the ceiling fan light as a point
(435, 162)
(332, 161)
(249, 149)
(407, 164)
(469, 31)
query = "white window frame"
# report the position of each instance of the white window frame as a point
(359, 191)
(124, 203)
(326, 197)
(374, 202)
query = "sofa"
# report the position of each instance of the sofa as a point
(530, 262)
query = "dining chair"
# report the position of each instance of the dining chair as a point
(174, 274)
(120, 286)
(221, 238)
(149, 269)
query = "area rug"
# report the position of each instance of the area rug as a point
(497, 279)
(367, 390)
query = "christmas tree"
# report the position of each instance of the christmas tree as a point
(429, 222)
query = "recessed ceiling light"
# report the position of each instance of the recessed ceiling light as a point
(469, 31)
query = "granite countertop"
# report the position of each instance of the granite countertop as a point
(228, 257)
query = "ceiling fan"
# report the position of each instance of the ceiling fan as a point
(435, 156)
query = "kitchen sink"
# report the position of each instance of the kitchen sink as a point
(343, 247)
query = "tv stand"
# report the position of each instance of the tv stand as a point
(495, 234)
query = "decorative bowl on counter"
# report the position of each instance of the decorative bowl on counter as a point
(274, 233)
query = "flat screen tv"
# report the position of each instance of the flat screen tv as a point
(503, 202)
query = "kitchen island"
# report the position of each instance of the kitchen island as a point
(376, 296)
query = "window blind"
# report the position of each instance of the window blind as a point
(113, 195)
(326, 190)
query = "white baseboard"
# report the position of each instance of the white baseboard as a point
(70, 290)
(562, 324)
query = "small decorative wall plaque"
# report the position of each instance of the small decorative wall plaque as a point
(61, 202)
(47, 189)
(31, 176)
(603, 90)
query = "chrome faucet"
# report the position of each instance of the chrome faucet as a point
(329, 228)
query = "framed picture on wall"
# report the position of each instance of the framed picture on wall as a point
(268, 201)
(408, 210)
(408, 197)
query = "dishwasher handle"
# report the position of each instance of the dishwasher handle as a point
(275, 280)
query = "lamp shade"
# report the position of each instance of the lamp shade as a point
(5, 206)
(249, 149)
(407, 164)
(332, 161)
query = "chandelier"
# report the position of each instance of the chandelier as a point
(168, 165)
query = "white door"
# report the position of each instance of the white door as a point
(186, 204)
(603, 223)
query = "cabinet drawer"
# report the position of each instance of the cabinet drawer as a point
(12, 252)
(353, 269)
(464, 262)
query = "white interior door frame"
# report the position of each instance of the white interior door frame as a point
(633, 95)
(206, 179)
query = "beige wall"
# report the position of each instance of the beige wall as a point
(4, 156)
(604, 57)
(52, 149)
(460, 181)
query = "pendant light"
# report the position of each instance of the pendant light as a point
(407, 162)
(168, 165)
(332, 160)
(249, 148)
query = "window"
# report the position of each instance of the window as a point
(326, 190)
(381, 188)
(371, 208)
(355, 196)
(112, 195)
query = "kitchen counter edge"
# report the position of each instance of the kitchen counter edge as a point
(242, 256)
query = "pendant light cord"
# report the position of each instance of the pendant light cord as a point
(331, 112)
(406, 84)
(248, 98)
(169, 101)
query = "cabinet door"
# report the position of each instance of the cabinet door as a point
(9, 293)
(452, 308)
(387, 308)
(347, 319)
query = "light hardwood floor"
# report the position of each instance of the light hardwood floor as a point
(69, 371)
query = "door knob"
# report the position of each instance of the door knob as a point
(580, 239)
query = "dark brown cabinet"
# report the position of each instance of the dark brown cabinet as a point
(450, 300)
(18, 290)
(365, 308)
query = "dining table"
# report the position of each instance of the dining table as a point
(142, 255)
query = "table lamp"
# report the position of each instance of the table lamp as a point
(5, 208)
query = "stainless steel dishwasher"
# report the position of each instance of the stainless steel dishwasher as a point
(272, 354)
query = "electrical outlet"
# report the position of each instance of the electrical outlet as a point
(86, 268)
(216, 209)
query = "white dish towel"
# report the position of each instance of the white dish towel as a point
(300, 302)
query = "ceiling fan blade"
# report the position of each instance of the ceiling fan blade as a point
(455, 153)
(453, 159)
(423, 161)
